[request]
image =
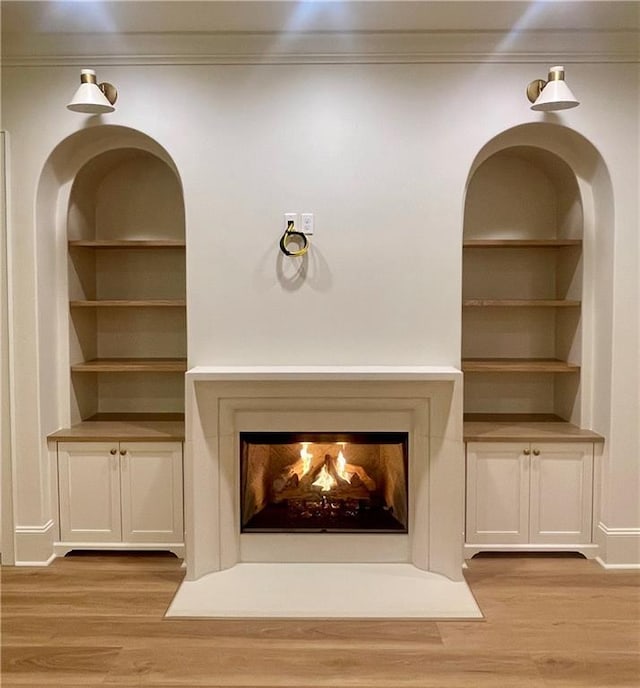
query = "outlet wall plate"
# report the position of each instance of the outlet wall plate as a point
(303, 222)
(291, 217)
(306, 223)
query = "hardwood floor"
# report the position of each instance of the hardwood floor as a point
(97, 620)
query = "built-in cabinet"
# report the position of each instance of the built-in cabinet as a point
(119, 462)
(126, 494)
(529, 495)
(530, 464)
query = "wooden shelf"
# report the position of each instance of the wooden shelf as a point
(520, 243)
(517, 365)
(520, 303)
(112, 243)
(131, 365)
(121, 427)
(510, 418)
(129, 303)
(523, 427)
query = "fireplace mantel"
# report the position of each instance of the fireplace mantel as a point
(424, 401)
(336, 373)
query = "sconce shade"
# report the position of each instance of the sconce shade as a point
(553, 94)
(556, 95)
(89, 97)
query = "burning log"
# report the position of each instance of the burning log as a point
(333, 477)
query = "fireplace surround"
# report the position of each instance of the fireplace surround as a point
(422, 401)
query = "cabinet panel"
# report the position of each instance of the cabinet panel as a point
(536, 494)
(497, 489)
(561, 493)
(151, 492)
(120, 493)
(89, 492)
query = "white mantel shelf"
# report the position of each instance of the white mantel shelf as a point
(320, 373)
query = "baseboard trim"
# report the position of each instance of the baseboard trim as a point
(44, 563)
(62, 548)
(620, 547)
(617, 566)
(34, 544)
(590, 551)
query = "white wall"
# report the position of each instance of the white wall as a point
(380, 153)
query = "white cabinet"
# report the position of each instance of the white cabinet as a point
(127, 494)
(529, 496)
(561, 493)
(497, 493)
(89, 492)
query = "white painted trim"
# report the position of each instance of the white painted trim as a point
(62, 548)
(617, 567)
(7, 471)
(37, 563)
(320, 47)
(620, 547)
(34, 544)
(324, 373)
(44, 528)
(618, 531)
(589, 551)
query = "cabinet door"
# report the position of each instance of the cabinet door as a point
(561, 492)
(151, 475)
(89, 486)
(497, 493)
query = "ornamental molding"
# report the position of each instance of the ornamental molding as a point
(213, 48)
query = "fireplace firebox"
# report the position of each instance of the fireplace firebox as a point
(324, 482)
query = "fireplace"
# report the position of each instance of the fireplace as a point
(276, 420)
(323, 482)
(249, 415)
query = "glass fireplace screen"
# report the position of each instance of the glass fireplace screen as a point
(324, 482)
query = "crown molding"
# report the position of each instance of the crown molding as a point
(174, 48)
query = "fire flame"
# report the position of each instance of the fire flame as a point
(306, 457)
(341, 467)
(325, 481)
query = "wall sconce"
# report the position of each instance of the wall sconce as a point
(553, 94)
(92, 97)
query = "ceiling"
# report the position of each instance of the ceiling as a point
(217, 16)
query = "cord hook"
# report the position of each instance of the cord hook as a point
(292, 236)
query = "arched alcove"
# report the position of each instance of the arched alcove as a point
(538, 246)
(111, 278)
(538, 215)
(522, 286)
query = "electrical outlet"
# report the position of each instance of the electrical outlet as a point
(306, 226)
(291, 217)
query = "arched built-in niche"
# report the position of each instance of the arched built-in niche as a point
(102, 186)
(537, 268)
(126, 287)
(522, 287)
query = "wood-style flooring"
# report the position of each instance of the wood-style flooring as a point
(97, 620)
